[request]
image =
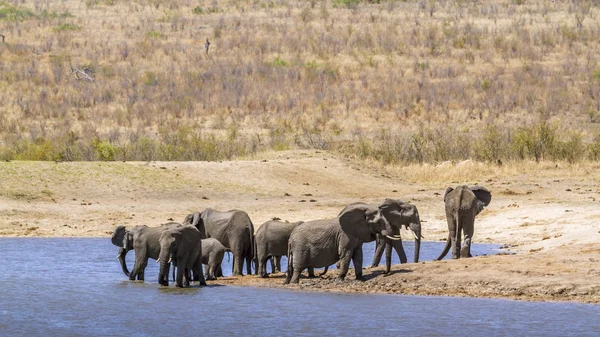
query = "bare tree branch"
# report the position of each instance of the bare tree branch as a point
(82, 74)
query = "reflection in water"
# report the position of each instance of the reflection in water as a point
(75, 287)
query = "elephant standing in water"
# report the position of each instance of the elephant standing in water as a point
(321, 243)
(462, 205)
(182, 246)
(398, 213)
(233, 229)
(272, 242)
(212, 256)
(144, 241)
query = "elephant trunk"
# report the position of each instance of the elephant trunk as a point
(416, 229)
(121, 257)
(164, 259)
(417, 248)
(163, 275)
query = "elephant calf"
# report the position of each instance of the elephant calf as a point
(272, 242)
(212, 256)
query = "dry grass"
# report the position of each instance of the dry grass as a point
(283, 74)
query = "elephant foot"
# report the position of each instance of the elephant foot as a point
(264, 275)
(360, 278)
(203, 284)
(464, 252)
(340, 279)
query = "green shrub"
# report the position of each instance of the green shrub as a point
(62, 27)
(104, 149)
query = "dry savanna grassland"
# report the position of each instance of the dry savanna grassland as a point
(114, 113)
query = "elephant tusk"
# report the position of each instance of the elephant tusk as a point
(118, 256)
(393, 238)
(170, 259)
(416, 236)
(157, 261)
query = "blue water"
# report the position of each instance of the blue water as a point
(75, 287)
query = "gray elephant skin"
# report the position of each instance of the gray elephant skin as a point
(212, 256)
(462, 204)
(272, 242)
(144, 241)
(399, 214)
(182, 246)
(233, 229)
(321, 243)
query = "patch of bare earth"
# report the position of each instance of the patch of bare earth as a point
(547, 215)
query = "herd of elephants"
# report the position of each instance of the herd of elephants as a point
(204, 237)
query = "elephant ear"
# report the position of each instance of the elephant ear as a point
(353, 220)
(118, 236)
(482, 193)
(448, 190)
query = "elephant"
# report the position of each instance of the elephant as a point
(212, 256)
(183, 246)
(233, 229)
(144, 241)
(463, 203)
(398, 213)
(321, 243)
(272, 242)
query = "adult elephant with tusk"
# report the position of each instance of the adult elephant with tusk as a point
(463, 203)
(233, 229)
(184, 246)
(321, 243)
(144, 241)
(399, 214)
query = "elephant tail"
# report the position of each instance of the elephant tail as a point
(290, 267)
(252, 245)
(446, 248)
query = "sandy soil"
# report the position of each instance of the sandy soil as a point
(545, 213)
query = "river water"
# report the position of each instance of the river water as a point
(75, 287)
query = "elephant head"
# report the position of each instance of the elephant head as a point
(169, 242)
(363, 221)
(122, 238)
(398, 214)
(195, 219)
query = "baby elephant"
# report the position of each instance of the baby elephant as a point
(212, 256)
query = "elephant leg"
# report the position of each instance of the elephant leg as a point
(272, 260)
(262, 266)
(388, 255)
(454, 235)
(311, 272)
(344, 265)
(248, 265)
(397, 244)
(465, 250)
(277, 264)
(357, 261)
(179, 278)
(324, 271)
(379, 247)
(219, 271)
(237, 248)
(197, 269)
(141, 259)
(139, 274)
(456, 245)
